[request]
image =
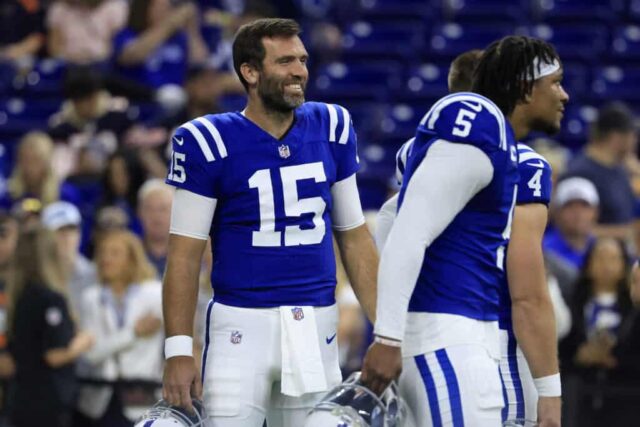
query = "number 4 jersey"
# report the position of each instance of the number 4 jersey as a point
(271, 233)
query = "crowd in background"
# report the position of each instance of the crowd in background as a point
(84, 211)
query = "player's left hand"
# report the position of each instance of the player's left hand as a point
(382, 364)
(549, 411)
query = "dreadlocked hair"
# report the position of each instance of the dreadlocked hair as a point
(506, 70)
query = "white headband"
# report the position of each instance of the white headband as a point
(543, 69)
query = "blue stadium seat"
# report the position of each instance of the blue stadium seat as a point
(397, 9)
(499, 11)
(575, 125)
(562, 11)
(575, 79)
(44, 80)
(381, 41)
(625, 43)
(368, 81)
(19, 116)
(399, 121)
(449, 40)
(425, 81)
(574, 42)
(613, 82)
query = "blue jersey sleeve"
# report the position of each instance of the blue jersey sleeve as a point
(466, 118)
(343, 136)
(535, 177)
(195, 164)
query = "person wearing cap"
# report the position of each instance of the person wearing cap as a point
(565, 244)
(612, 140)
(64, 220)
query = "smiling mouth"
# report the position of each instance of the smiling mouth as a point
(294, 87)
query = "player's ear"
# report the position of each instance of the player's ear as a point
(250, 73)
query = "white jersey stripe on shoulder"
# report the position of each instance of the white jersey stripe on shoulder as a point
(215, 134)
(206, 150)
(530, 155)
(524, 147)
(344, 136)
(440, 382)
(333, 122)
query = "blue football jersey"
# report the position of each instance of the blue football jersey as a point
(463, 268)
(534, 187)
(271, 233)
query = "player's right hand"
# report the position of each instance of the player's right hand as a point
(382, 364)
(180, 381)
(549, 411)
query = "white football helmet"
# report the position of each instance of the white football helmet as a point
(164, 415)
(351, 404)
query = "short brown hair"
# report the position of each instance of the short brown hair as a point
(248, 47)
(461, 71)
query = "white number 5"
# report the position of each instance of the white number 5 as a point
(464, 123)
(176, 168)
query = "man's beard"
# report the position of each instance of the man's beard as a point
(274, 98)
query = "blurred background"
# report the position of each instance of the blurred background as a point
(91, 90)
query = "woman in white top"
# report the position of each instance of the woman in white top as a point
(124, 312)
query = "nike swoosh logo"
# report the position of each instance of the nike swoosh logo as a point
(475, 107)
(536, 165)
(330, 339)
(178, 141)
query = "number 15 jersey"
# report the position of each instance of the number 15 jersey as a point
(271, 233)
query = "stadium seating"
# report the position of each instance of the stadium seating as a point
(575, 42)
(614, 82)
(380, 41)
(449, 40)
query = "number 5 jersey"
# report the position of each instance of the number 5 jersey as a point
(271, 232)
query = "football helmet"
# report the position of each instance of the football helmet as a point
(164, 415)
(351, 404)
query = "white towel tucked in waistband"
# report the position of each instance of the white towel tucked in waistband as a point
(302, 367)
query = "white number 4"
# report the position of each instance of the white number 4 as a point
(176, 168)
(462, 126)
(535, 184)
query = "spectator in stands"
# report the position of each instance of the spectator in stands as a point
(90, 125)
(159, 42)
(565, 244)
(64, 220)
(600, 304)
(204, 87)
(8, 242)
(612, 139)
(80, 31)
(154, 211)
(124, 311)
(123, 177)
(42, 337)
(21, 29)
(33, 175)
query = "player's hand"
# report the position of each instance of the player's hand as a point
(180, 381)
(382, 364)
(81, 343)
(549, 411)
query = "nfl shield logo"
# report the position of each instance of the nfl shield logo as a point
(284, 151)
(236, 337)
(298, 314)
